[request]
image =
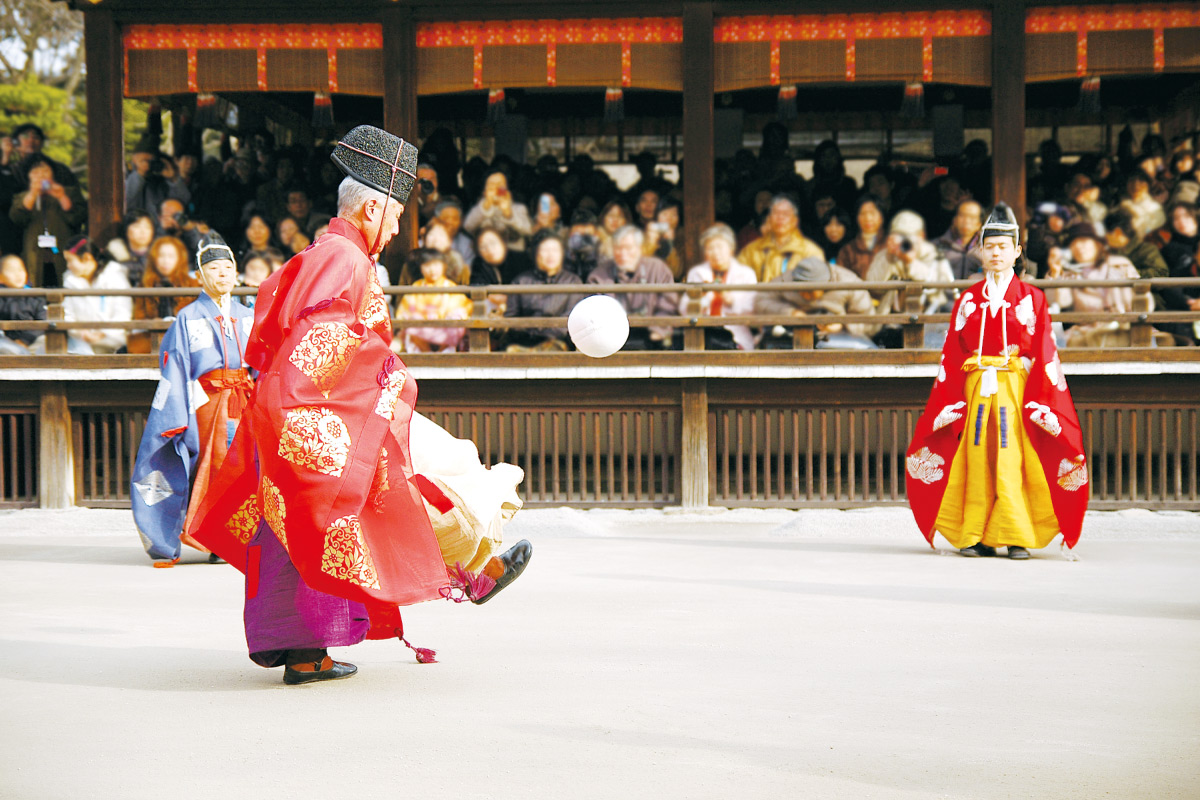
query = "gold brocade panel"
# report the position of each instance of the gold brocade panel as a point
(325, 353)
(244, 521)
(315, 438)
(346, 556)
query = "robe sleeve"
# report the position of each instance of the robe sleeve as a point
(1053, 427)
(935, 440)
(167, 453)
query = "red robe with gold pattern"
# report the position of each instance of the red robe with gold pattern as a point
(1047, 413)
(323, 451)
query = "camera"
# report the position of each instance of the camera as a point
(181, 219)
(426, 185)
(906, 245)
(156, 166)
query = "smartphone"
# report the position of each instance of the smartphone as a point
(45, 186)
(544, 204)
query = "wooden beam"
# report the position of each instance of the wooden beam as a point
(698, 120)
(693, 455)
(400, 111)
(105, 123)
(56, 462)
(1008, 104)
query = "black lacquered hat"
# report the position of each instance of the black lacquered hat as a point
(378, 159)
(1001, 222)
(212, 247)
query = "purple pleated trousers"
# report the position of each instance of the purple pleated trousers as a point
(285, 613)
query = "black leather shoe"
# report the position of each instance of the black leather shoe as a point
(213, 558)
(334, 670)
(514, 559)
(1017, 553)
(977, 550)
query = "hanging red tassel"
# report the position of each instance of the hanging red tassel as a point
(470, 585)
(914, 100)
(1089, 96)
(614, 104)
(322, 110)
(786, 107)
(207, 115)
(424, 654)
(495, 106)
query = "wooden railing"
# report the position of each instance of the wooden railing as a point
(791, 428)
(479, 325)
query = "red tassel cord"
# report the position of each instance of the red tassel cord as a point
(468, 585)
(424, 654)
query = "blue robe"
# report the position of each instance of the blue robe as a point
(171, 442)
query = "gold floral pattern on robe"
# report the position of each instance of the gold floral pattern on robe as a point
(374, 312)
(274, 510)
(324, 353)
(315, 438)
(346, 556)
(385, 406)
(244, 521)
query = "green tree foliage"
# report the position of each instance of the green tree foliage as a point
(42, 80)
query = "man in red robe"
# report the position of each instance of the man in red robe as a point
(997, 457)
(318, 503)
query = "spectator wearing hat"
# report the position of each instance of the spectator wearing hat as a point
(548, 253)
(907, 256)
(804, 303)
(14, 276)
(50, 213)
(28, 139)
(719, 245)
(587, 243)
(1088, 258)
(771, 255)
(1123, 239)
(956, 245)
(154, 177)
(84, 272)
(631, 266)
(497, 209)
(857, 254)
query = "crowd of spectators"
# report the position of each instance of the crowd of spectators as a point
(503, 223)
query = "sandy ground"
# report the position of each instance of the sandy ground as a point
(744, 654)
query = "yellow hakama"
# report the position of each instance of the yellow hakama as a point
(996, 493)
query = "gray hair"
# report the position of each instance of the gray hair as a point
(718, 231)
(353, 195)
(783, 198)
(630, 230)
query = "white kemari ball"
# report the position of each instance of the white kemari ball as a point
(598, 326)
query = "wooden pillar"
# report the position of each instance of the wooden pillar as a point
(400, 112)
(56, 463)
(1008, 104)
(694, 450)
(105, 123)
(699, 206)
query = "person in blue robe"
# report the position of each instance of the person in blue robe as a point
(204, 387)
